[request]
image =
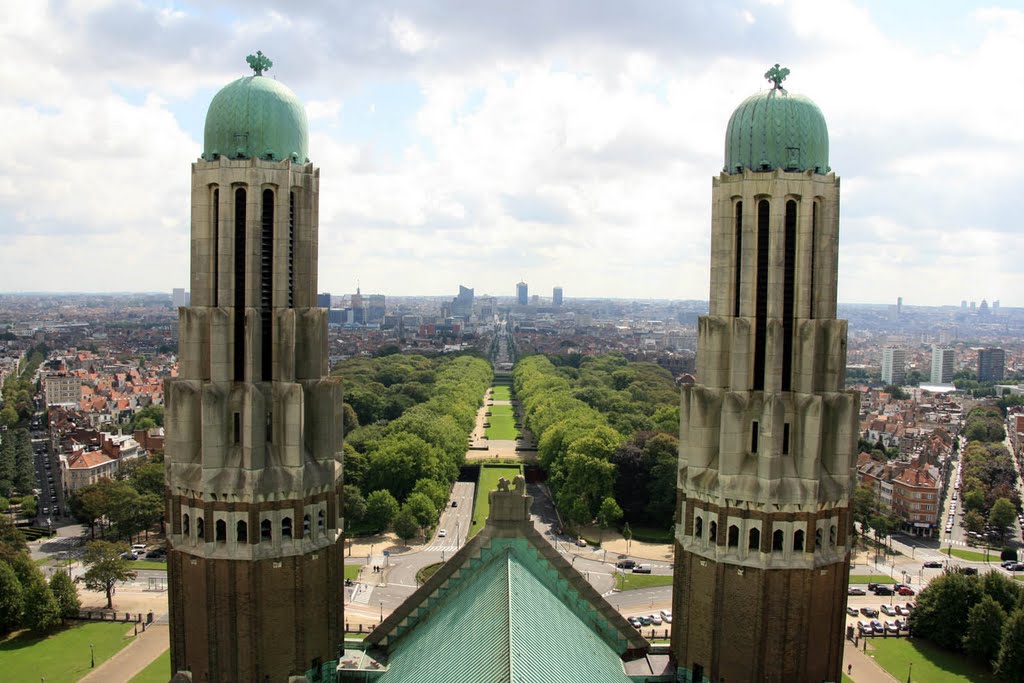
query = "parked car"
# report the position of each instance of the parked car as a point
(635, 622)
(455, 503)
(642, 569)
(645, 620)
(855, 591)
(625, 564)
(581, 542)
(905, 590)
(969, 570)
(889, 611)
(869, 612)
(666, 615)
(156, 554)
(852, 611)
(865, 629)
(872, 586)
(883, 590)
(655, 619)
(877, 627)
(892, 627)
(902, 611)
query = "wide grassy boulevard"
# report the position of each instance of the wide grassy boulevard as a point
(930, 664)
(488, 481)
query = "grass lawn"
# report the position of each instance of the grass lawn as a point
(847, 679)
(501, 410)
(871, 578)
(931, 664)
(63, 656)
(502, 428)
(424, 574)
(352, 571)
(148, 564)
(42, 560)
(157, 672)
(487, 482)
(972, 555)
(1019, 577)
(630, 581)
(502, 393)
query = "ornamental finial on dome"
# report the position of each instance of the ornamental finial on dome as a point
(259, 62)
(776, 75)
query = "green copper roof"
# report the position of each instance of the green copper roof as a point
(507, 615)
(777, 129)
(256, 116)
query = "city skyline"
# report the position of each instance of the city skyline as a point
(503, 146)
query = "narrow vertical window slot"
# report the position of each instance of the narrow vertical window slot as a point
(215, 256)
(266, 284)
(291, 249)
(761, 301)
(237, 428)
(788, 293)
(814, 237)
(785, 439)
(239, 312)
(738, 266)
(755, 431)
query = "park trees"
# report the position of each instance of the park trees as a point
(64, 592)
(1010, 660)
(105, 566)
(355, 504)
(42, 613)
(12, 599)
(984, 629)
(405, 524)
(381, 509)
(1001, 516)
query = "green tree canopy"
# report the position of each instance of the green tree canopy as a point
(1010, 661)
(105, 566)
(984, 629)
(12, 599)
(381, 509)
(406, 524)
(63, 589)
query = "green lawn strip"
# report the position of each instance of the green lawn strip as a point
(971, 555)
(63, 656)
(147, 564)
(1019, 577)
(42, 560)
(502, 428)
(931, 664)
(499, 411)
(352, 571)
(871, 578)
(159, 671)
(630, 581)
(847, 679)
(488, 481)
(424, 574)
(502, 393)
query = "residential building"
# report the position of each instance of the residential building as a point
(894, 365)
(942, 365)
(88, 467)
(991, 365)
(62, 389)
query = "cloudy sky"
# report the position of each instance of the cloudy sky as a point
(475, 142)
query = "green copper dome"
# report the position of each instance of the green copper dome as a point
(777, 129)
(258, 117)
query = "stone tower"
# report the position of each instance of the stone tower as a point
(254, 441)
(768, 436)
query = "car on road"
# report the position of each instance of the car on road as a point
(855, 591)
(869, 612)
(970, 571)
(905, 590)
(932, 564)
(625, 564)
(455, 503)
(442, 533)
(852, 611)
(642, 569)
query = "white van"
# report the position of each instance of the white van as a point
(642, 569)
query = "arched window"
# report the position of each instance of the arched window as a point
(265, 534)
(186, 526)
(242, 532)
(306, 524)
(754, 539)
(221, 530)
(832, 535)
(286, 527)
(713, 532)
(321, 522)
(777, 541)
(734, 536)
(798, 540)
(200, 528)
(698, 526)
(817, 539)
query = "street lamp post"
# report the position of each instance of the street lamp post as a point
(92, 656)
(382, 611)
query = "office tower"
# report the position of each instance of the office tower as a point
(991, 365)
(462, 305)
(556, 296)
(894, 365)
(899, 305)
(942, 365)
(254, 442)
(375, 308)
(768, 440)
(178, 297)
(522, 294)
(323, 300)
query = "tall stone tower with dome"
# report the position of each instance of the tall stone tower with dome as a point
(254, 441)
(768, 435)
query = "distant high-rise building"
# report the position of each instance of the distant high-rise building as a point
(899, 305)
(522, 294)
(556, 296)
(995, 306)
(179, 297)
(974, 305)
(991, 365)
(963, 304)
(375, 308)
(942, 365)
(768, 441)
(983, 308)
(323, 300)
(894, 365)
(462, 305)
(357, 299)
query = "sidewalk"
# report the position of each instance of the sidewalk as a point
(135, 657)
(865, 669)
